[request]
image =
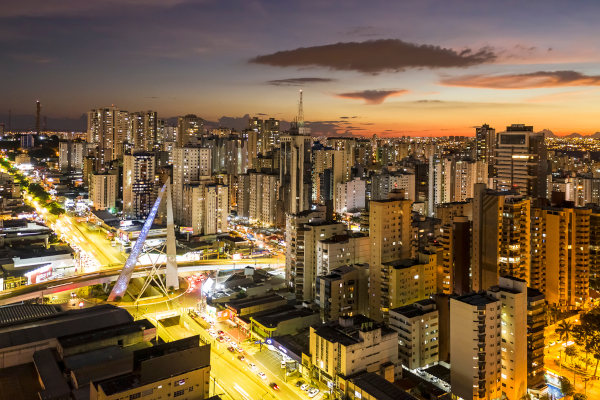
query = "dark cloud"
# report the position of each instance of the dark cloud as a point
(372, 96)
(539, 79)
(298, 81)
(428, 101)
(44, 8)
(346, 117)
(376, 56)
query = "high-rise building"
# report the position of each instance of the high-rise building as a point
(189, 128)
(536, 322)
(560, 265)
(206, 207)
(350, 195)
(389, 233)
(521, 161)
(405, 281)
(262, 198)
(418, 328)
(139, 190)
(190, 165)
(512, 294)
(243, 196)
(295, 172)
(501, 237)
(485, 138)
(475, 347)
(144, 130)
(385, 182)
(71, 154)
(103, 191)
(456, 257)
(343, 292)
(339, 250)
(107, 129)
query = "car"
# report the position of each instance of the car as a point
(305, 386)
(252, 366)
(231, 349)
(299, 383)
(220, 332)
(239, 349)
(312, 392)
(241, 358)
(212, 333)
(274, 386)
(552, 343)
(262, 375)
(220, 338)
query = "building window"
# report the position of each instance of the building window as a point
(178, 393)
(135, 396)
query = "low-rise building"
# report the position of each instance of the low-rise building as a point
(352, 345)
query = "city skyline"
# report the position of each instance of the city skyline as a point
(447, 67)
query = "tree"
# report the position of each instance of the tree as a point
(571, 351)
(579, 396)
(566, 387)
(587, 334)
(564, 330)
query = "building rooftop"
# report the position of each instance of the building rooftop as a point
(61, 324)
(379, 388)
(239, 304)
(476, 299)
(416, 309)
(21, 312)
(107, 332)
(272, 318)
(50, 375)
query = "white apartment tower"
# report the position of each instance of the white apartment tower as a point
(190, 165)
(103, 191)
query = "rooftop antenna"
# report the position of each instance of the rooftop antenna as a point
(300, 111)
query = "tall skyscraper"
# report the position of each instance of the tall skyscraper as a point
(190, 165)
(107, 129)
(485, 138)
(206, 207)
(295, 172)
(521, 161)
(189, 128)
(560, 265)
(501, 237)
(456, 257)
(144, 130)
(139, 191)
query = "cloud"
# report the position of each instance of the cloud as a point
(533, 80)
(298, 81)
(372, 96)
(44, 8)
(376, 56)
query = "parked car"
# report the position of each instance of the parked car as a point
(312, 392)
(305, 386)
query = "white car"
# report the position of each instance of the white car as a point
(212, 333)
(305, 387)
(313, 392)
(262, 375)
(252, 366)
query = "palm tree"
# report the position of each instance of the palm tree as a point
(564, 330)
(571, 351)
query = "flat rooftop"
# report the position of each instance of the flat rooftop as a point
(379, 388)
(476, 299)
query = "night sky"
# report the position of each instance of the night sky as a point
(387, 67)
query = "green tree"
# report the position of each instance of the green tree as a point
(566, 387)
(571, 351)
(579, 396)
(564, 330)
